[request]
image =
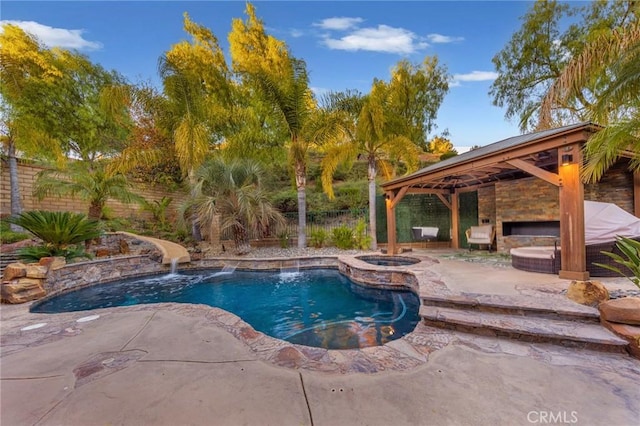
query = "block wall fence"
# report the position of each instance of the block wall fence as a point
(27, 174)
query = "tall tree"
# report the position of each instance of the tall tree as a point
(392, 125)
(195, 80)
(264, 63)
(539, 51)
(610, 60)
(25, 65)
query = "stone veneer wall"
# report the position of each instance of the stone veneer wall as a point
(528, 199)
(27, 174)
(616, 187)
(82, 274)
(487, 205)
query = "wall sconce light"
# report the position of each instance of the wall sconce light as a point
(567, 157)
(387, 197)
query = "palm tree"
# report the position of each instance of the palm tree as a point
(376, 141)
(92, 183)
(231, 192)
(612, 56)
(293, 102)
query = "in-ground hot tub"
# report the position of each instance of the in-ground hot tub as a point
(389, 260)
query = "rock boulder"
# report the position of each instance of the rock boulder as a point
(590, 293)
(623, 311)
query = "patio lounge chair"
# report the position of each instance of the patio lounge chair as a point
(480, 235)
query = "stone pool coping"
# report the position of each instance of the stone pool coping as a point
(409, 351)
(406, 352)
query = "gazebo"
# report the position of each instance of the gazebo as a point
(553, 156)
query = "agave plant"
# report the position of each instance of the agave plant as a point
(61, 232)
(630, 248)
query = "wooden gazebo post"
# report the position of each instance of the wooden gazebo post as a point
(391, 223)
(455, 219)
(572, 230)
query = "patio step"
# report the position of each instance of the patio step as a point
(578, 334)
(552, 307)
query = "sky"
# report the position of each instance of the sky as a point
(346, 44)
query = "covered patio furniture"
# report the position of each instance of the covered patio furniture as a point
(481, 235)
(424, 233)
(604, 222)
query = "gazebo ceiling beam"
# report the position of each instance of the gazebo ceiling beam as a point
(552, 178)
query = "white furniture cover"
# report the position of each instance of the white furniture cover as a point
(603, 222)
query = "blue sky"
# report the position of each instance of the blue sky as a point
(346, 44)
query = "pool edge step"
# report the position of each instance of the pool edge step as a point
(530, 329)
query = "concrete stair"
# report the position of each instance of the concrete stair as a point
(529, 319)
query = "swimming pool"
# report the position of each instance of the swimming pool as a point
(319, 307)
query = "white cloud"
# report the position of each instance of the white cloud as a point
(473, 76)
(383, 38)
(295, 33)
(56, 37)
(338, 23)
(439, 38)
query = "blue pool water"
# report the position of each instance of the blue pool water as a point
(320, 308)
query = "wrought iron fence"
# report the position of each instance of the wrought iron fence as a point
(327, 220)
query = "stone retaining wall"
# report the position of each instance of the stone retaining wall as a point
(83, 274)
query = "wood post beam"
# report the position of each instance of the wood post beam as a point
(572, 239)
(636, 193)
(552, 178)
(455, 220)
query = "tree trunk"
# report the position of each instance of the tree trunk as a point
(95, 210)
(301, 183)
(195, 225)
(241, 239)
(371, 176)
(214, 232)
(16, 207)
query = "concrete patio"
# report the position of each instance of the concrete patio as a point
(172, 364)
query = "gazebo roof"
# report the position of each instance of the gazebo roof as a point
(506, 159)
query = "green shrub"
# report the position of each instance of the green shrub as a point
(35, 253)
(61, 233)
(7, 236)
(286, 201)
(318, 238)
(284, 239)
(631, 250)
(361, 240)
(342, 237)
